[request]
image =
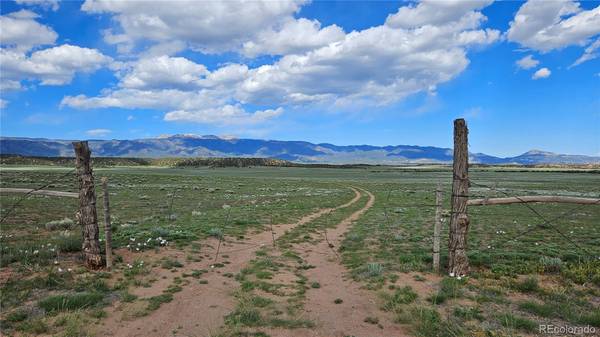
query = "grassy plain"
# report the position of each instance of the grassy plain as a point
(550, 274)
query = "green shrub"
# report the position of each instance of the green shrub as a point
(70, 301)
(551, 264)
(580, 273)
(374, 269)
(244, 315)
(216, 232)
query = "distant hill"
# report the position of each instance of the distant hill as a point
(293, 151)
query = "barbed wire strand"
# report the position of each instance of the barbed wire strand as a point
(18, 202)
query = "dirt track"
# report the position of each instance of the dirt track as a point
(40, 192)
(347, 318)
(199, 309)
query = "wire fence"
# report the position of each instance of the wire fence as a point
(543, 221)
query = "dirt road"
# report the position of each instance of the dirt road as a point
(346, 318)
(199, 309)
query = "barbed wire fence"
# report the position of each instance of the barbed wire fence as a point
(543, 222)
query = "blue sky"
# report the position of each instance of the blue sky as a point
(524, 75)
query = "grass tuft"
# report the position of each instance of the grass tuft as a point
(70, 301)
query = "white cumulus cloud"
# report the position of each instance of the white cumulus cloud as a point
(527, 62)
(434, 12)
(51, 66)
(293, 37)
(379, 65)
(207, 26)
(590, 53)
(228, 114)
(546, 25)
(541, 73)
(164, 72)
(20, 31)
(44, 4)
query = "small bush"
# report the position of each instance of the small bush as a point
(374, 269)
(551, 264)
(64, 224)
(245, 315)
(338, 301)
(315, 285)
(580, 273)
(215, 232)
(371, 320)
(70, 302)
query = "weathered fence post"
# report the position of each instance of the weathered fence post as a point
(87, 207)
(107, 229)
(437, 226)
(458, 262)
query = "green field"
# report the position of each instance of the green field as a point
(549, 274)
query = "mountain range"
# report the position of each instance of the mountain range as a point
(295, 151)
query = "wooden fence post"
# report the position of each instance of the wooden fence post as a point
(437, 226)
(107, 228)
(458, 262)
(87, 207)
